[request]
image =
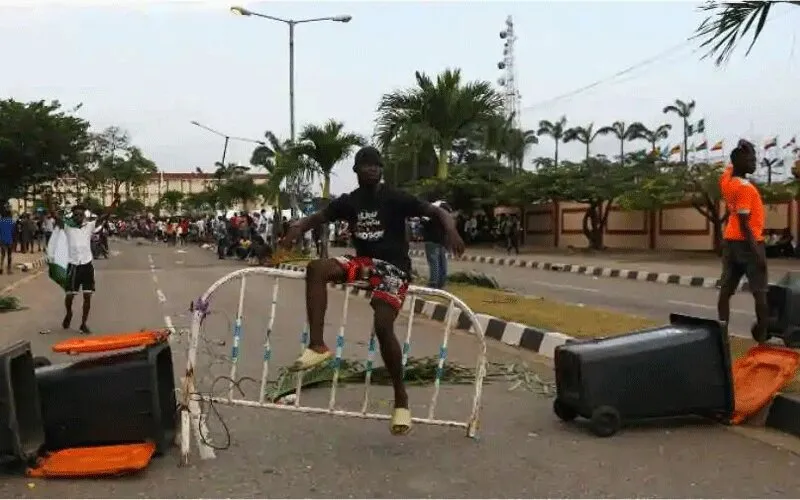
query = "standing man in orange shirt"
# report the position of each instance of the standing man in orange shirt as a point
(743, 249)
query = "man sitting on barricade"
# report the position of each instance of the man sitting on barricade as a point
(376, 214)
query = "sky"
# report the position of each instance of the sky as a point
(153, 67)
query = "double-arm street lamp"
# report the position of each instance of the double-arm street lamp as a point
(228, 138)
(291, 23)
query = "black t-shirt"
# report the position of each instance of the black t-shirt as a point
(377, 222)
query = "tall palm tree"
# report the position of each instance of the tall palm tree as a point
(584, 135)
(652, 136)
(622, 133)
(495, 134)
(326, 146)
(555, 130)
(230, 170)
(684, 110)
(517, 142)
(446, 107)
(281, 160)
(729, 22)
(410, 140)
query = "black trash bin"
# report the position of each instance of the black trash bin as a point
(683, 368)
(783, 299)
(119, 398)
(21, 429)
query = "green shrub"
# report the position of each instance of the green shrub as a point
(9, 303)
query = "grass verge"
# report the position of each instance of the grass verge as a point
(570, 319)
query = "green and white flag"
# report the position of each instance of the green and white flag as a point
(58, 255)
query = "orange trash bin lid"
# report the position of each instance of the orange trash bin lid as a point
(95, 461)
(758, 376)
(104, 343)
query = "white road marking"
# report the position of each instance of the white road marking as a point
(713, 308)
(155, 278)
(206, 451)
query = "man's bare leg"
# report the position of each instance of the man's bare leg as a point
(391, 353)
(385, 315)
(318, 274)
(68, 306)
(87, 306)
(5, 258)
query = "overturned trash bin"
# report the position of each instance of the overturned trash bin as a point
(125, 397)
(21, 429)
(783, 300)
(683, 368)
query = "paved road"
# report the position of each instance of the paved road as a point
(640, 298)
(523, 451)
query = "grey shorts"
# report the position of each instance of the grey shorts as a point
(738, 260)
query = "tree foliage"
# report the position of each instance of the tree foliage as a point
(727, 23)
(39, 142)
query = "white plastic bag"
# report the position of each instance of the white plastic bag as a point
(58, 257)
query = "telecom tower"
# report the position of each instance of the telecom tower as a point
(511, 96)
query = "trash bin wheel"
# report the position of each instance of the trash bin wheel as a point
(40, 361)
(564, 412)
(605, 421)
(759, 337)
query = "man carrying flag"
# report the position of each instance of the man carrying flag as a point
(80, 269)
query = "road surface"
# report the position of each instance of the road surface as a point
(523, 451)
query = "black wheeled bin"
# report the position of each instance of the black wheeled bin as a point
(21, 428)
(120, 398)
(683, 368)
(783, 299)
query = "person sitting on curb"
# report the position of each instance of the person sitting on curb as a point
(377, 214)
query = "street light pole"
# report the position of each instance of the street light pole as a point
(225, 150)
(291, 80)
(241, 11)
(227, 138)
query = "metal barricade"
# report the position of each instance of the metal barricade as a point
(193, 419)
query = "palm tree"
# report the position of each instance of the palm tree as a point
(517, 142)
(555, 130)
(229, 170)
(684, 110)
(622, 133)
(652, 136)
(447, 108)
(409, 140)
(281, 161)
(326, 146)
(729, 22)
(584, 135)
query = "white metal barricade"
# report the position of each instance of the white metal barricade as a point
(193, 418)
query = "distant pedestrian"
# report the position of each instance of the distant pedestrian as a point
(433, 235)
(7, 228)
(744, 253)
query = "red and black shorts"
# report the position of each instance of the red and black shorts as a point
(387, 282)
